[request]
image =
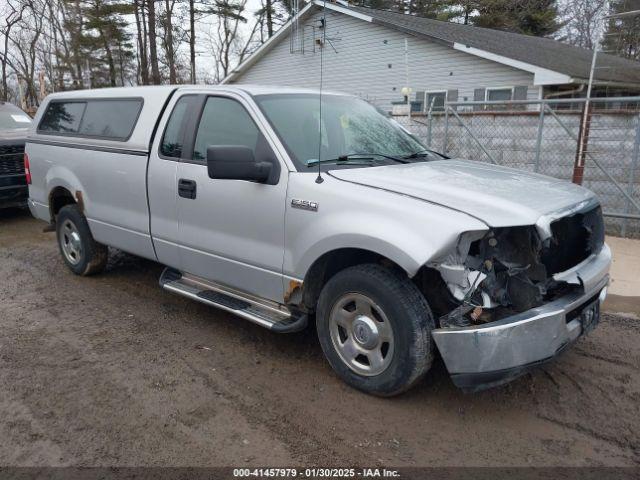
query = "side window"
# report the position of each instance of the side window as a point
(110, 118)
(224, 122)
(62, 117)
(173, 138)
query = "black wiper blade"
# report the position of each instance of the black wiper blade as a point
(357, 159)
(343, 159)
(416, 155)
(391, 157)
(423, 153)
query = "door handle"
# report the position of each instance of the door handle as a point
(187, 188)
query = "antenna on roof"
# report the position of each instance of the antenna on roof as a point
(319, 178)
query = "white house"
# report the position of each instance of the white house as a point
(376, 54)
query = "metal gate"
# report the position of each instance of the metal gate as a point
(598, 149)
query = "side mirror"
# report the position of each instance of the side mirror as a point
(235, 162)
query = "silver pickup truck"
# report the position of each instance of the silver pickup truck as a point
(263, 205)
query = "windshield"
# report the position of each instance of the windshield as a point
(350, 127)
(12, 118)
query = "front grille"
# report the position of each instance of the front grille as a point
(11, 160)
(573, 239)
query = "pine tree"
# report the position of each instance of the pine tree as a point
(101, 40)
(428, 8)
(461, 11)
(531, 17)
(393, 5)
(73, 24)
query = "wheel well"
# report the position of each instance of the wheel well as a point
(430, 283)
(331, 263)
(58, 198)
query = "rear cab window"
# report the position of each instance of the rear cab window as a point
(175, 139)
(109, 119)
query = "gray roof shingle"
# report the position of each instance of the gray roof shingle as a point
(538, 51)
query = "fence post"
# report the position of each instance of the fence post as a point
(583, 143)
(632, 173)
(429, 120)
(446, 129)
(629, 198)
(539, 138)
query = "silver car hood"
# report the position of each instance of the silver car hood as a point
(498, 196)
(10, 135)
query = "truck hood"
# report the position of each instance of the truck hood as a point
(499, 196)
(14, 136)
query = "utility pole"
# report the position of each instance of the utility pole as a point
(407, 89)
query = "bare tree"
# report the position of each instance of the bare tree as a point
(228, 43)
(12, 16)
(155, 69)
(168, 40)
(268, 7)
(623, 32)
(66, 44)
(583, 21)
(141, 35)
(59, 44)
(23, 55)
(192, 40)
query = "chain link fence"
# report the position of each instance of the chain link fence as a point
(598, 147)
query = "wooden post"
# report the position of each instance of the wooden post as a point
(583, 142)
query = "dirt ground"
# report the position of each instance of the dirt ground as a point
(112, 371)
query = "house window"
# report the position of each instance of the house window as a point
(435, 101)
(499, 94)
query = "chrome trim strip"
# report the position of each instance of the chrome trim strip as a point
(96, 148)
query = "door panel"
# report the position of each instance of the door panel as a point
(162, 177)
(232, 231)
(164, 210)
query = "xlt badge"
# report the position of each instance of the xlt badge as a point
(304, 205)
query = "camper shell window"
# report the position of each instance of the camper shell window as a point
(110, 119)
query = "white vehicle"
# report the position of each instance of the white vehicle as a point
(263, 206)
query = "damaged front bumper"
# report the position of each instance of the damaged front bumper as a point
(483, 356)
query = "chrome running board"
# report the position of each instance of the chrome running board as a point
(263, 312)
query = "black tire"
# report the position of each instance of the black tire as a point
(407, 311)
(92, 256)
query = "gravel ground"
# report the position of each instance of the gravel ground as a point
(111, 371)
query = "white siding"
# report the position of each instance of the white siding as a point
(360, 64)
